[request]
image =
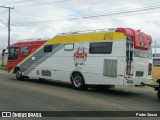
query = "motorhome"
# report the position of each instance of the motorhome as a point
(120, 56)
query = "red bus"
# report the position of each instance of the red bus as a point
(20, 51)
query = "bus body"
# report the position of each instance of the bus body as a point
(119, 56)
(20, 51)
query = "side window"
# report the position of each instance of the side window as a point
(24, 51)
(13, 53)
(48, 48)
(100, 48)
(68, 47)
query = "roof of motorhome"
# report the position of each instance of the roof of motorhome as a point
(95, 35)
(28, 43)
(86, 37)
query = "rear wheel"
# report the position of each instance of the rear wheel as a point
(158, 94)
(19, 75)
(78, 82)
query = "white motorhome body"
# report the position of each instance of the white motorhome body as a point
(92, 58)
(62, 63)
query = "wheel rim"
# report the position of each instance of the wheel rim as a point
(18, 74)
(77, 81)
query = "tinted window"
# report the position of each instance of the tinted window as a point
(100, 48)
(24, 51)
(13, 53)
(48, 48)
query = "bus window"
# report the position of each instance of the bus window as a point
(24, 51)
(48, 48)
(13, 53)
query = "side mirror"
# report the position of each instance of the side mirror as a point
(3, 51)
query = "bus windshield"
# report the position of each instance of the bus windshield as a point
(13, 53)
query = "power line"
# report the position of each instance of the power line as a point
(9, 8)
(3, 12)
(43, 3)
(4, 23)
(17, 2)
(141, 1)
(93, 20)
(122, 12)
(97, 12)
(96, 16)
(1, 28)
(79, 22)
(20, 1)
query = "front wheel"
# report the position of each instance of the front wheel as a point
(19, 75)
(78, 82)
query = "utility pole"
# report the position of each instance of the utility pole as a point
(155, 46)
(8, 26)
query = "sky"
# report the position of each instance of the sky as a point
(33, 19)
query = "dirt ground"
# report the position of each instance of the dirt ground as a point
(155, 74)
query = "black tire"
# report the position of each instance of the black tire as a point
(158, 94)
(19, 75)
(78, 82)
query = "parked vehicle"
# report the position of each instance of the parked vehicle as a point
(119, 56)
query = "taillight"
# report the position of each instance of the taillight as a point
(149, 68)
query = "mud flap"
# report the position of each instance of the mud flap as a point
(158, 89)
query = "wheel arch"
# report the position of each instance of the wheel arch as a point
(76, 72)
(16, 69)
(82, 85)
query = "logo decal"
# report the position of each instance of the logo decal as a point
(141, 40)
(80, 56)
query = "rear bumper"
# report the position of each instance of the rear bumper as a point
(137, 81)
